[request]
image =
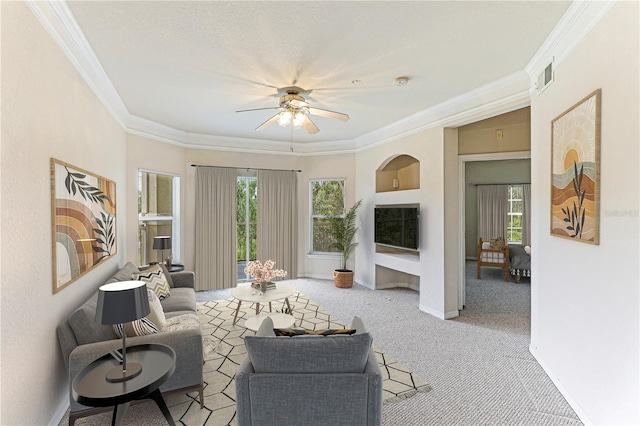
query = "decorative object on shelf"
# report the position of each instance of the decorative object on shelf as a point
(163, 243)
(575, 171)
(264, 274)
(343, 230)
(118, 303)
(83, 212)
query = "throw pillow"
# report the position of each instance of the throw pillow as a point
(527, 250)
(331, 354)
(140, 327)
(155, 279)
(300, 332)
(156, 314)
(151, 324)
(167, 274)
(358, 325)
(498, 243)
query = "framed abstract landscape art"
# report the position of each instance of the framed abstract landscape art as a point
(83, 214)
(575, 171)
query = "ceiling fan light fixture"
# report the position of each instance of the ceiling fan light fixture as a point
(285, 118)
(298, 120)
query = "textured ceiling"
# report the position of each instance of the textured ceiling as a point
(191, 65)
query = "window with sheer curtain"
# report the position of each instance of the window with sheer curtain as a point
(504, 211)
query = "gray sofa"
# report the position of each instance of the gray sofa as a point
(309, 380)
(83, 340)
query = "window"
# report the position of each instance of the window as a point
(246, 218)
(327, 201)
(514, 214)
(158, 215)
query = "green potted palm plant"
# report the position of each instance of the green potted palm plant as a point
(343, 230)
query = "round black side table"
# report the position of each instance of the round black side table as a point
(91, 388)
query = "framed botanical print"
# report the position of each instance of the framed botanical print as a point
(83, 214)
(575, 171)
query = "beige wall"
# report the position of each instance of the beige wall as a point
(47, 111)
(585, 300)
(332, 166)
(480, 137)
(162, 157)
(144, 153)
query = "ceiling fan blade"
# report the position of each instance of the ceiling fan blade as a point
(269, 122)
(257, 109)
(329, 114)
(309, 125)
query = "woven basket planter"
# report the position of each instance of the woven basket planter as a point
(343, 278)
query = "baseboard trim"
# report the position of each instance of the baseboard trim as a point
(439, 314)
(330, 278)
(563, 390)
(60, 411)
(316, 276)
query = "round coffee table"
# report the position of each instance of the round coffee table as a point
(279, 320)
(91, 388)
(245, 293)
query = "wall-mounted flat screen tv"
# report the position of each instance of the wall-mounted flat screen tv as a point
(397, 226)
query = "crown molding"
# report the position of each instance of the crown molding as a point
(580, 18)
(159, 132)
(507, 94)
(61, 25)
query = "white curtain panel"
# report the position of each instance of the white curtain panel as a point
(216, 263)
(492, 211)
(526, 214)
(278, 219)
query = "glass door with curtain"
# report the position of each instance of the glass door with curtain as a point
(247, 216)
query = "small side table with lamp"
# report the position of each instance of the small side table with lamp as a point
(119, 378)
(162, 243)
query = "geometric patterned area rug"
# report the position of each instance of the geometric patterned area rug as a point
(216, 319)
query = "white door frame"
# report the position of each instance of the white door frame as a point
(462, 159)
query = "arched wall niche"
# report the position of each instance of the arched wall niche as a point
(398, 173)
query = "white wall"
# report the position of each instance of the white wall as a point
(585, 299)
(47, 111)
(428, 147)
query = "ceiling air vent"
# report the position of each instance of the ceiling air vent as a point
(545, 78)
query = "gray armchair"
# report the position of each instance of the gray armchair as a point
(309, 380)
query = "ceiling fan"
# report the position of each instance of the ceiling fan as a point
(295, 110)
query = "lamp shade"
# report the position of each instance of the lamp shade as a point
(121, 302)
(161, 243)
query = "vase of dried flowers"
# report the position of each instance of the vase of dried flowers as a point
(263, 273)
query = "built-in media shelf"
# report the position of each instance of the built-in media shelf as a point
(399, 262)
(397, 267)
(398, 173)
